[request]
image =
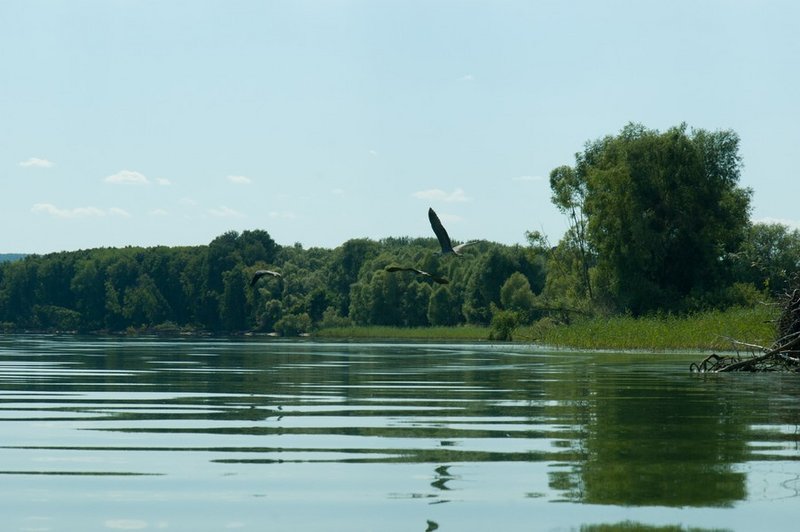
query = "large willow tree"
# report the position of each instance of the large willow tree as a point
(663, 211)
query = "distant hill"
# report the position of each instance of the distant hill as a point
(8, 257)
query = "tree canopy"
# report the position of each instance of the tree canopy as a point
(207, 287)
(663, 212)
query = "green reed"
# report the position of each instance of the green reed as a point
(710, 330)
(460, 333)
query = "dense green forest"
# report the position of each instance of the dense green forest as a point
(658, 224)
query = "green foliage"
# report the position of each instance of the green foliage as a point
(504, 322)
(163, 289)
(472, 333)
(293, 324)
(769, 257)
(663, 210)
(708, 330)
(443, 307)
(516, 295)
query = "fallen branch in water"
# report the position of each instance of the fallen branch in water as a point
(784, 355)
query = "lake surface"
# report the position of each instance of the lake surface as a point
(151, 434)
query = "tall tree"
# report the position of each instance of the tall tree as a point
(569, 196)
(663, 210)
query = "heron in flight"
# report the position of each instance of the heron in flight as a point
(261, 273)
(443, 237)
(435, 278)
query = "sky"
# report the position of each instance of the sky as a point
(170, 122)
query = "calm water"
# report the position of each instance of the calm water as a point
(145, 434)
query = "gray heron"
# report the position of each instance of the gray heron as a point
(261, 273)
(443, 237)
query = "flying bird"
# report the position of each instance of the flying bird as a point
(435, 278)
(261, 273)
(443, 237)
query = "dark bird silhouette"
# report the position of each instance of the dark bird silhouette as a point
(261, 273)
(435, 278)
(443, 237)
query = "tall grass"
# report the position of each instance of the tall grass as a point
(460, 333)
(711, 330)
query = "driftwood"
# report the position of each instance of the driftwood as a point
(783, 355)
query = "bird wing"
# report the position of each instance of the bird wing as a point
(441, 234)
(256, 277)
(261, 273)
(440, 280)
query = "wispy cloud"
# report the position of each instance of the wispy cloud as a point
(77, 212)
(225, 212)
(127, 177)
(527, 178)
(163, 181)
(158, 212)
(240, 179)
(35, 162)
(436, 194)
(116, 211)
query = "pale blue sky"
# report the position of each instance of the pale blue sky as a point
(171, 122)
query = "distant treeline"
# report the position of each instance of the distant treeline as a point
(657, 225)
(6, 257)
(207, 287)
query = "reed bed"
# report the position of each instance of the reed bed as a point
(710, 330)
(376, 332)
(716, 330)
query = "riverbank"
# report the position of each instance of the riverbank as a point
(707, 331)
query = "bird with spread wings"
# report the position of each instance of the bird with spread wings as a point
(443, 237)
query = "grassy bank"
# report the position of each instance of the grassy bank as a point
(713, 330)
(375, 332)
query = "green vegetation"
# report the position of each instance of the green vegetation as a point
(709, 330)
(453, 334)
(659, 254)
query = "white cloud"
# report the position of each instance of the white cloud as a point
(225, 212)
(127, 177)
(77, 212)
(158, 212)
(36, 163)
(240, 179)
(436, 194)
(116, 211)
(163, 181)
(527, 178)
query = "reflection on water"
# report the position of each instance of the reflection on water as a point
(210, 434)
